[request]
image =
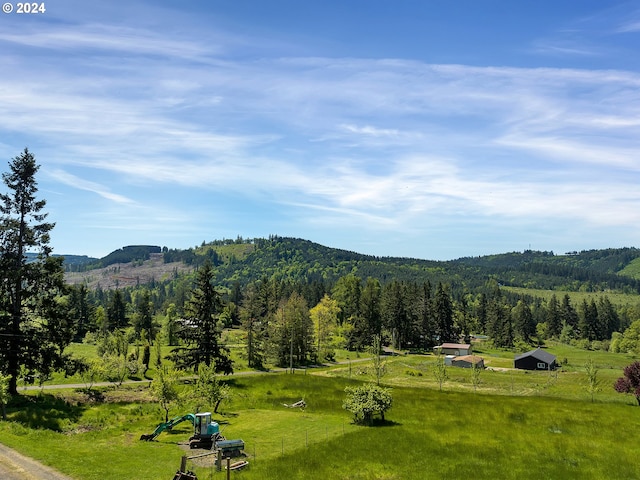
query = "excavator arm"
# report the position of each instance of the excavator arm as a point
(168, 426)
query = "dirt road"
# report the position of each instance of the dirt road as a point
(14, 466)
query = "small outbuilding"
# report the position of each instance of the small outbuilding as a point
(448, 360)
(535, 360)
(468, 361)
(456, 349)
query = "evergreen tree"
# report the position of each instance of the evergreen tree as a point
(499, 326)
(481, 313)
(347, 292)
(443, 313)
(143, 317)
(568, 314)
(553, 320)
(608, 320)
(116, 311)
(588, 321)
(35, 326)
(81, 310)
(394, 312)
(201, 331)
(291, 333)
(425, 312)
(524, 326)
(253, 316)
(370, 308)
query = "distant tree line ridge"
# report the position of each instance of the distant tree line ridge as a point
(247, 260)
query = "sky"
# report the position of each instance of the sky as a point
(429, 129)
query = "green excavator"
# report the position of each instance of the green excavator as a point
(205, 434)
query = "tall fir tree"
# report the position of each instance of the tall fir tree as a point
(35, 325)
(201, 331)
(554, 323)
(253, 317)
(443, 313)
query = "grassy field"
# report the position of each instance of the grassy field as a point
(515, 425)
(577, 298)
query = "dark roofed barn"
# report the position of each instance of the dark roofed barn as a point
(535, 360)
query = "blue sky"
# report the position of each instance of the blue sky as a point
(428, 129)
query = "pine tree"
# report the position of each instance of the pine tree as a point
(443, 312)
(553, 317)
(394, 312)
(201, 331)
(370, 308)
(568, 314)
(34, 324)
(253, 317)
(524, 326)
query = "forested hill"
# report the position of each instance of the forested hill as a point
(296, 260)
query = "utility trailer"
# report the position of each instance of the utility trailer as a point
(230, 448)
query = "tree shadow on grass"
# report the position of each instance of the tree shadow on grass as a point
(43, 411)
(378, 422)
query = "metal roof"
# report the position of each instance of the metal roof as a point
(538, 354)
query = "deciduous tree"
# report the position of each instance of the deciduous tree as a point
(208, 389)
(366, 401)
(164, 388)
(325, 319)
(630, 382)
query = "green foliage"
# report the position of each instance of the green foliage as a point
(630, 342)
(366, 401)
(593, 382)
(164, 388)
(35, 323)
(325, 320)
(208, 389)
(291, 334)
(127, 254)
(440, 371)
(201, 329)
(378, 363)
(4, 394)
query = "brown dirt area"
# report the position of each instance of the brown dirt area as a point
(128, 274)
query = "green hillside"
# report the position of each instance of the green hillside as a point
(296, 260)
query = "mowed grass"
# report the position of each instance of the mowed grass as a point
(433, 435)
(428, 434)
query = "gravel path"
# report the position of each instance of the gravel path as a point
(14, 466)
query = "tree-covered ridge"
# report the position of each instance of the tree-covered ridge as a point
(296, 260)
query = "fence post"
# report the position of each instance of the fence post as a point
(219, 460)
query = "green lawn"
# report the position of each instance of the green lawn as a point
(516, 425)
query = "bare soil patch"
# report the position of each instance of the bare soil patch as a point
(128, 274)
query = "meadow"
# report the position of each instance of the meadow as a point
(514, 425)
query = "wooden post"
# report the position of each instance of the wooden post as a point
(219, 460)
(183, 464)
(228, 468)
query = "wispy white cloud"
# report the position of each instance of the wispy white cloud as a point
(384, 144)
(76, 182)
